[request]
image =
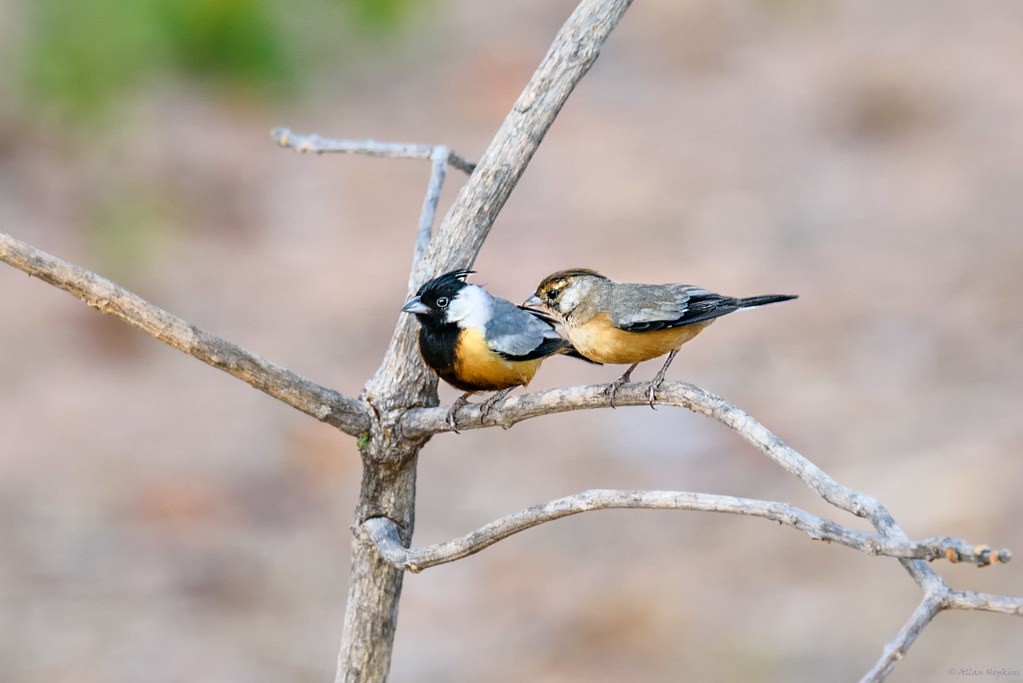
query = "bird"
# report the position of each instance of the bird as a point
(628, 323)
(476, 341)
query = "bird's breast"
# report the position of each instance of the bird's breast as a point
(478, 368)
(599, 340)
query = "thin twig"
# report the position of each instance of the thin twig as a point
(317, 144)
(574, 51)
(428, 214)
(985, 602)
(440, 157)
(896, 648)
(349, 415)
(384, 532)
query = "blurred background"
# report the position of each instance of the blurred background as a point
(161, 521)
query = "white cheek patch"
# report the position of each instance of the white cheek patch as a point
(470, 308)
(571, 297)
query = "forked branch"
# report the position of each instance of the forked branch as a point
(457, 243)
(317, 144)
(890, 539)
(515, 408)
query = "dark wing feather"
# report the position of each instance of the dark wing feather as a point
(700, 306)
(522, 333)
(703, 306)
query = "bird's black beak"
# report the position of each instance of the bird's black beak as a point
(416, 306)
(533, 302)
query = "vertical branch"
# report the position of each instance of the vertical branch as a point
(371, 616)
(402, 381)
(468, 221)
(569, 58)
(438, 171)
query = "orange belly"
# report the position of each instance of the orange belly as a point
(599, 340)
(478, 367)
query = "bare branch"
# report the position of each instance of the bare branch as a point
(439, 155)
(516, 408)
(349, 415)
(891, 540)
(317, 144)
(467, 223)
(573, 52)
(383, 532)
(985, 602)
(896, 649)
(420, 422)
(438, 170)
(402, 379)
(386, 507)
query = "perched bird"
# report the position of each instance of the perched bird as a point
(620, 322)
(479, 342)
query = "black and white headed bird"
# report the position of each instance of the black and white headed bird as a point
(479, 342)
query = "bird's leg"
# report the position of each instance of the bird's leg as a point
(455, 407)
(614, 386)
(489, 404)
(659, 377)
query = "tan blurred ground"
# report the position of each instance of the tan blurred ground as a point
(160, 521)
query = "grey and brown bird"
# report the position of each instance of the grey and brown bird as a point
(628, 323)
(479, 342)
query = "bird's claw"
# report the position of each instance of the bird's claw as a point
(651, 393)
(489, 404)
(612, 389)
(455, 407)
(450, 419)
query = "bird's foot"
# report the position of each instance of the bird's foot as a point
(651, 393)
(658, 378)
(455, 407)
(489, 404)
(613, 387)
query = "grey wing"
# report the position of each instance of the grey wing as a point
(513, 332)
(636, 304)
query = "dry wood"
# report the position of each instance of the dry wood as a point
(384, 534)
(397, 413)
(349, 415)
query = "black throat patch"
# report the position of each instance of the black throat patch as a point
(437, 344)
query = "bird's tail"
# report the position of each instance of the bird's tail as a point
(764, 299)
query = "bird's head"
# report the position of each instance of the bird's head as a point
(444, 300)
(563, 291)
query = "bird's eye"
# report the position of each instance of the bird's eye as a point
(552, 295)
(442, 302)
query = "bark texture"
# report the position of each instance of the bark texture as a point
(403, 382)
